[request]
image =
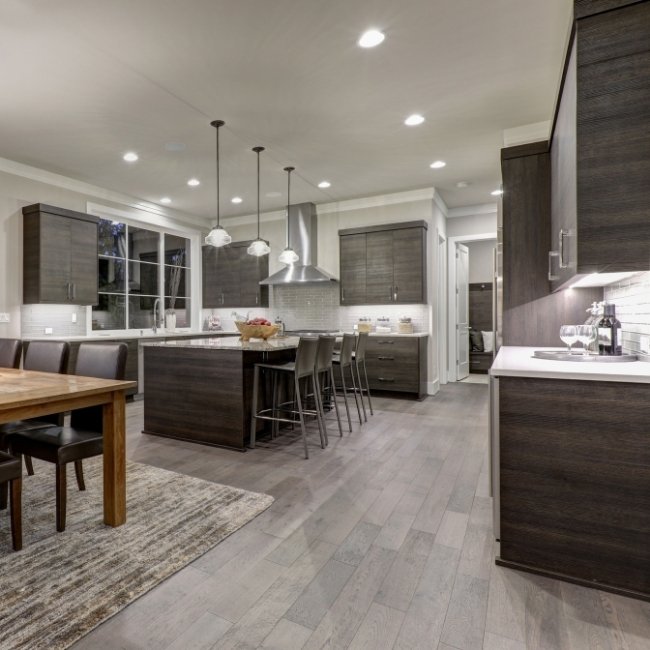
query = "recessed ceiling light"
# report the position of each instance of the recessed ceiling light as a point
(165, 199)
(130, 156)
(438, 164)
(193, 182)
(462, 184)
(236, 199)
(371, 38)
(414, 120)
(324, 184)
(497, 193)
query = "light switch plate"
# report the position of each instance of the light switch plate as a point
(49, 330)
(74, 317)
(4, 318)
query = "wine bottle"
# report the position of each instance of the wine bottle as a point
(609, 333)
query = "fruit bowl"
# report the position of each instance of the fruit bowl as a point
(248, 332)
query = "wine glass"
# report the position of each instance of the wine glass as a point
(585, 334)
(568, 335)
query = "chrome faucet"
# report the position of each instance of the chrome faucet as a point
(156, 323)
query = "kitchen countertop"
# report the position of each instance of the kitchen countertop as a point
(107, 337)
(514, 361)
(229, 343)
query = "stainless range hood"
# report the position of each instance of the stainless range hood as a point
(303, 234)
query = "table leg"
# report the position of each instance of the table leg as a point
(115, 461)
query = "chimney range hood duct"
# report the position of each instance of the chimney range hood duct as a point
(303, 234)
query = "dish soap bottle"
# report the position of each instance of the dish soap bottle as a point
(280, 324)
(609, 332)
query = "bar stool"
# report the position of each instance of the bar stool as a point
(344, 361)
(359, 358)
(325, 370)
(300, 370)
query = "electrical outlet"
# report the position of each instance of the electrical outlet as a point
(644, 345)
(49, 330)
(4, 318)
(74, 317)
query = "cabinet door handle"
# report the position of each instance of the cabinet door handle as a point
(222, 299)
(74, 291)
(551, 276)
(386, 379)
(342, 294)
(386, 358)
(385, 342)
(563, 234)
(390, 294)
(396, 291)
(67, 290)
(257, 299)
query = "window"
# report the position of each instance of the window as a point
(138, 266)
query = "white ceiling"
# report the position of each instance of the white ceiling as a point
(83, 81)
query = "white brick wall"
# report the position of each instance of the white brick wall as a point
(632, 299)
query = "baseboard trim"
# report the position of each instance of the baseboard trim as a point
(433, 387)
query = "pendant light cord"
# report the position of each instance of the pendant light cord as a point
(288, 170)
(257, 150)
(217, 124)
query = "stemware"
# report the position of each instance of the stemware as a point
(568, 335)
(585, 334)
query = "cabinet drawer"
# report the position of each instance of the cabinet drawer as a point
(392, 346)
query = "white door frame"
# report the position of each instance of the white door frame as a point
(442, 308)
(451, 295)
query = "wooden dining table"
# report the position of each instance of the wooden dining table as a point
(30, 394)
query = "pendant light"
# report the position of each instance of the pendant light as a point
(218, 236)
(288, 255)
(259, 247)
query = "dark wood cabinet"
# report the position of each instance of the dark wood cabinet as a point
(574, 481)
(231, 277)
(397, 364)
(59, 256)
(600, 147)
(383, 265)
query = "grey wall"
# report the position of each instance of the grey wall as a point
(481, 260)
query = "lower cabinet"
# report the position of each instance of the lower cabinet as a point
(397, 364)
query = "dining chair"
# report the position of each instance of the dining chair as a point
(11, 474)
(84, 437)
(10, 350)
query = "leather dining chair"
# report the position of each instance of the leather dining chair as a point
(11, 473)
(10, 350)
(84, 437)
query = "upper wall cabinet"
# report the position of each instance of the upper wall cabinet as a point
(600, 148)
(384, 265)
(231, 277)
(59, 256)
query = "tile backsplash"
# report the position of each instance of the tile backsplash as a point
(35, 318)
(317, 306)
(632, 299)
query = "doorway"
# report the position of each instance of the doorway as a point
(470, 306)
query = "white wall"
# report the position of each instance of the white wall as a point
(481, 260)
(472, 220)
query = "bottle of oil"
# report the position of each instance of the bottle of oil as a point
(609, 332)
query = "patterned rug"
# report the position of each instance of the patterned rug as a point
(62, 585)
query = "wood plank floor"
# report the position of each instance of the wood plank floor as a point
(383, 540)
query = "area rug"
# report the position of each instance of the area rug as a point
(62, 585)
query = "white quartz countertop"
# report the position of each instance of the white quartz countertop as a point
(514, 361)
(147, 335)
(228, 343)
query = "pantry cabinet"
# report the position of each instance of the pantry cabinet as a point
(59, 256)
(383, 265)
(231, 277)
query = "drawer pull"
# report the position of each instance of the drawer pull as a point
(386, 342)
(386, 379)
(386, 358)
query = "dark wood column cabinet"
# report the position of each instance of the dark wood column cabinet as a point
(59, 256)
(231, 277)
(384, 265)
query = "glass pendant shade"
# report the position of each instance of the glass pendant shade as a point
(218, 236)
(258, 248)
(288, 256)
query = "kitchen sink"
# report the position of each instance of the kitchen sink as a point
(563, 355)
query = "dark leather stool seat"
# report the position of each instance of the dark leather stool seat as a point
(11, 473)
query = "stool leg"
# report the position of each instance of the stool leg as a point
(61, 495)
(334, 398)
(365, 375)
(301, 416)
(256, 382)
(318, 399)
(355, 366)
(345, 397)
(16, 514)
(354, 390)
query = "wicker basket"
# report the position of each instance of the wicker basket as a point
(248, 332)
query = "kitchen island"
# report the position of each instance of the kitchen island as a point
(571, 469)
(200, 390)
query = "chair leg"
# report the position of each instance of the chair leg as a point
(355, 366)
(318, 399)
(79, 473)
(365, 375)
(29, 465)
(356, 393)
(61, 495)
(345, 397)
(335, 400)
(302, 416)
(256, 382)
(16, 514)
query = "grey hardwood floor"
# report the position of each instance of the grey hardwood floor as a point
(383, 540)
